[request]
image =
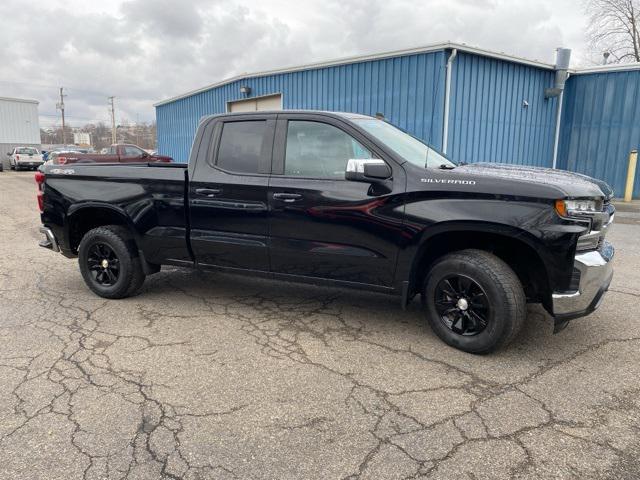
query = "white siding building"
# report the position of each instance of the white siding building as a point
(19, 125)
(81, 138)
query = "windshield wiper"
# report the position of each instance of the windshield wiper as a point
(444, 166)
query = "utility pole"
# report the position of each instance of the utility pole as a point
(113, 121)
(60, 106)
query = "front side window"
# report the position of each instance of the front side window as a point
(241, 146)
(132, 151)
(112, 150)
(319, 150)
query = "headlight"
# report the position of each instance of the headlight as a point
(570, 208)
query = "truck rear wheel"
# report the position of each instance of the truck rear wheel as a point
(474, 301)
(109, 262)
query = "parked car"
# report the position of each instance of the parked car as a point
(21, 158)
(346, 200)
(121, 153)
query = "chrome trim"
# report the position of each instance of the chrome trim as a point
(600, 224)
(51, 238)
(596, 270)
(356, 165)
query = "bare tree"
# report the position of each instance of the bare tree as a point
(614, 29)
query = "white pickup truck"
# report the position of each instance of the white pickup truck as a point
(25, 158)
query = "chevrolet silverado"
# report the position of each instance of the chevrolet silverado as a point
(346, 200)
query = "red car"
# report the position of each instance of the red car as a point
(120, 153)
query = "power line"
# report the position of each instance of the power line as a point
(76, 89)
(55, 115)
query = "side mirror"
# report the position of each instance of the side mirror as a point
(368, 171)
(9, 154)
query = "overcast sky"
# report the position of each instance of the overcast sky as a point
(143, 51)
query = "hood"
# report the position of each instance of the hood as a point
(573, 184)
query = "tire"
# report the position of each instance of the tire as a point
(490, 290)
(124, 275)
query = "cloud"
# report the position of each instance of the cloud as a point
(142, 51)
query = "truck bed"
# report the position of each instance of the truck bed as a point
(151, 196)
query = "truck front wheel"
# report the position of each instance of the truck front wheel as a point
(109, 262)
(474, 301)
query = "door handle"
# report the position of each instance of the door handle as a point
(208, 192)
(287, 197)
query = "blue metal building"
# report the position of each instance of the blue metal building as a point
(475, 104)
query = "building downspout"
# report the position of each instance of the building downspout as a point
(556, 138)
(563, 56)
(447, 100)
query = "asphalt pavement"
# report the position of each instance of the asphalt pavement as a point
(211, 376)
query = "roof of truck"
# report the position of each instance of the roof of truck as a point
(348, 115)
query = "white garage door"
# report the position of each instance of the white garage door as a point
(270, 102)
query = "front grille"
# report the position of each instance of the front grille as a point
(600, 223)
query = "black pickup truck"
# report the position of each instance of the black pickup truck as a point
(346, 200)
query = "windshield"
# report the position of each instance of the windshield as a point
(27, 151)
(408, 147)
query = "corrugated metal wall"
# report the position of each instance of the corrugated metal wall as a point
(408, 90)
(601, 125)
(19, 122)
(488, 121)
(488, 118)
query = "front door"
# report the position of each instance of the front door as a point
(132, 154)
(228, 198)
(322, 225)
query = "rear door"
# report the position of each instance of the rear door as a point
(228, 194)
(322, 225)
(110, 157)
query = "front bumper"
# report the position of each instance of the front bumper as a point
(596, 270)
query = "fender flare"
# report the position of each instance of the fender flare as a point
(507, 231)
(79, 208)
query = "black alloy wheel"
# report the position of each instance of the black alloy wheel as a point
(109, 262)
(103, 264)
(462, 305)
(474, 301)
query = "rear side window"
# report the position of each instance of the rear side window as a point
(241, 146)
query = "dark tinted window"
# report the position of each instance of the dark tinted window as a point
(241, 146)
(319, 150)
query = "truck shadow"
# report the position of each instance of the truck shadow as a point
(316, 309)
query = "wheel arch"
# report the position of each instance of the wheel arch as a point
(516, 247)
(85, 217)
